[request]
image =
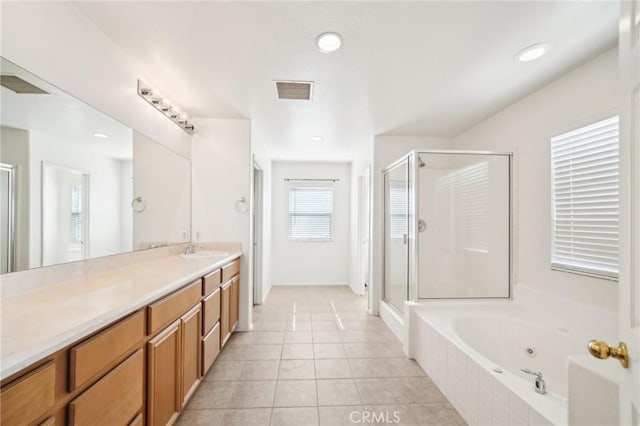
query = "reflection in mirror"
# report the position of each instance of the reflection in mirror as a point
(69, 175)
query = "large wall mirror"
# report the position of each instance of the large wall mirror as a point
(77, 184)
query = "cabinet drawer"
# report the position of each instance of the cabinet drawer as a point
(167, 310)
(92, 356)
(210, 348)
(211, 281)
(230, 270)
(137, 420)
(115, 399)
(29, 397)
(211, 311)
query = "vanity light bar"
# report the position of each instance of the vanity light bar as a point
(153, 97)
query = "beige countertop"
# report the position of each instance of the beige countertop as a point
(37, 324)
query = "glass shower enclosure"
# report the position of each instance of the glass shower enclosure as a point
(447, 226)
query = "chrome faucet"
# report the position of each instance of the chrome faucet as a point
(539, 384)
(191, 249)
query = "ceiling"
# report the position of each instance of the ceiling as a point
(62, 116)
(405, 68)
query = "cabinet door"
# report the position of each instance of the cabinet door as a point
(225, 314)
(191, 326)
(234, 303)
(163, 393)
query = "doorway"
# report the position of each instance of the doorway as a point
(65, 214)
(257, 226)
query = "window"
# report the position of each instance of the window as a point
(463, 197)
(311, 213)
(76, 213)
(399, 207)
(585, 193)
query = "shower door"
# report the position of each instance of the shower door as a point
(7, 218)
(396, 234)
(463, 201)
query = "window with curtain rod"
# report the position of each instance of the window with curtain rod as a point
(310, 209)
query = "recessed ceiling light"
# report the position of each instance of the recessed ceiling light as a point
(329, 42)
(100, 135)
(317, 138)
(532, 53)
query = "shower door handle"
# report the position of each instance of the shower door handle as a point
(405, 238)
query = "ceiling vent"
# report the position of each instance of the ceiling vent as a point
(18, 85)
(294, 90)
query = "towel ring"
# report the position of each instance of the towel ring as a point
(242, 206)
(138, 204)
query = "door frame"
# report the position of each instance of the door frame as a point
(257, 230)
(11, 215)
(364, 232)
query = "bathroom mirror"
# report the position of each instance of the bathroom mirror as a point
(77, 184)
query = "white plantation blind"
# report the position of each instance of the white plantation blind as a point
(464, 199)
(311, 213)
(585, 189)
(399, 208)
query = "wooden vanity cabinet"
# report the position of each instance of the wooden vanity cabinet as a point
(225, 313)
(234, 300)
(29, 397)
(115, 399)
(163, 376)
(139, 370)
(190, 346)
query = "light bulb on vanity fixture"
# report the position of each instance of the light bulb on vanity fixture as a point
(164, 106)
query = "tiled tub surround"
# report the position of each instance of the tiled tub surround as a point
(459, 344)
(37, 323)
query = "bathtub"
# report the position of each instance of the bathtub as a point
(475, 352)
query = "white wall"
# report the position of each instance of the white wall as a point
(586, 94)
(56, 42)
(163, 179)
(222, 168)
(307, 262)
(386, 150)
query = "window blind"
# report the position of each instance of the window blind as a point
(464, 194)
(585, 198)
(399, 209)
(311, 213)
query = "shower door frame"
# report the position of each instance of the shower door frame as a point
(408, 158)
(414, 294)
(11, 217)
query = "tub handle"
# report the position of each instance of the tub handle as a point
(539, 384)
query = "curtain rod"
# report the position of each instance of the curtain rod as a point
(310, 180)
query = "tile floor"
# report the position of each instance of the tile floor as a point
(315, 358)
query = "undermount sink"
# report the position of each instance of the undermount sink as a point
(205, 254)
